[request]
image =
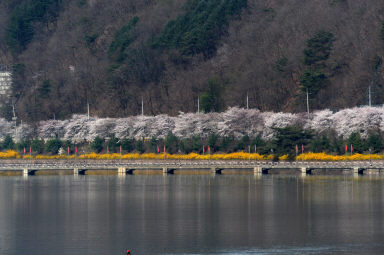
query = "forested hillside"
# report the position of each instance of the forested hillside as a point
(112, 54)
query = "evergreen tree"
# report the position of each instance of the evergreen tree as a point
(127, 145)
(171, 143)
(357, 143)
(113, 144)
(287, 138)
(211, 100)
(37, 146)
(53, 146)
(212, 141)
(8, 143)
(97, 144)
(139, 145)
(375, 143)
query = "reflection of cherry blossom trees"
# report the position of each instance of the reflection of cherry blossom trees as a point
(235, 122)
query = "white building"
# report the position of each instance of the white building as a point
(5, 81)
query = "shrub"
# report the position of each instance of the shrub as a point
(243, 143)
(97, 144)
(139, 145)
(8, 143)
(23, 145)
(113, 144)
(287, 138)
(212, 141)
(171, 143)
(37, 146)
(127, 145)
(357, 143)
(375, 143)
(53, 146)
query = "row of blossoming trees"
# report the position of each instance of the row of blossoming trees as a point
(232, 130)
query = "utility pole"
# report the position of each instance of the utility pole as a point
(198, 104)
(247, 102)
(142, 107)
(88, 109)
(14, 119)
(307, 103)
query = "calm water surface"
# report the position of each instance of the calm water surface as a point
(191, 215)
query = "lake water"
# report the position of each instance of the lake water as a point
(198, 214)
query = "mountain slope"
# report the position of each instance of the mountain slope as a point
(175, 48)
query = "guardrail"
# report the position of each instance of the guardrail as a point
(188, 164)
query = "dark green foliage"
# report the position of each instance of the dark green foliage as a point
(153, 143)
(200, 28)
(243, 144)
(321, 144)
(67, 144)
(97, 144)
(213, 142)
(313, 80)
(338, 145)
(122, 39)
(270, 13)
(287, 138)
(23, 144)
(141, 65)
(171, 143)
(226, 142)
(139, 145)
(113, 144)
(90, 38)
(261, 145)
(127, 145)
(281, 64)
(376, 63)
(382, 31)
(357, 143)
(186, 146)
(20, 29)
(211, 100)
(374, 143)
(8, 143)
(45, 89)
(318, 48)
(53, 146)
(37, 146)
(18, 79)
(196, 144)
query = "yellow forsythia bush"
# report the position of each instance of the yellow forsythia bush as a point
(194, 156)
(326, 157)
(9, 154)
(190, 156)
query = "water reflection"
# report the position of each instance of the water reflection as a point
(191, 214)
